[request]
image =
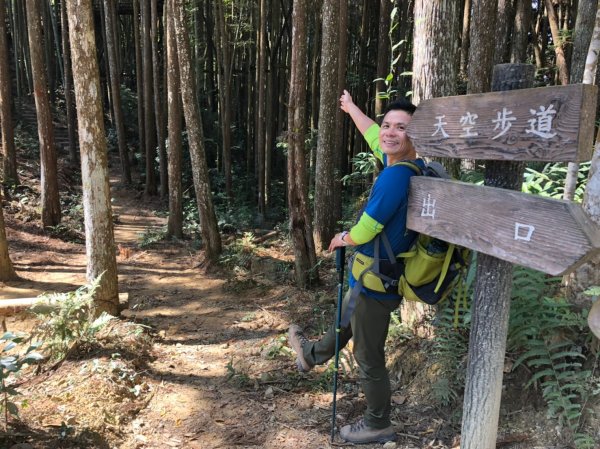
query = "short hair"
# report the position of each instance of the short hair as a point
(401, 105)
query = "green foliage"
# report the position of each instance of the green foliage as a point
(364, 166)
(26, 142)
(449, 351)
(152, 235)
(278, 347)
(239, 253)
(237, 377)
(550, 180)
(11, 363)
(70, 319)
(548, 336)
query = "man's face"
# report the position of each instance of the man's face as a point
(392, 136)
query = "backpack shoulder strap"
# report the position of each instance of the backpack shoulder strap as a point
(414, 167)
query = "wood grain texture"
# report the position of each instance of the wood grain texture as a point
(497, 222)
(572, 125)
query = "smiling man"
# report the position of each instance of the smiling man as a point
(366, 312)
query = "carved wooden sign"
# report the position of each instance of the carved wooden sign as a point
(552, 236)
(541, 124)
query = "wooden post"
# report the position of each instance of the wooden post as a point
(491, 303)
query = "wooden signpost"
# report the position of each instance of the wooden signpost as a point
(506, 226)
(541, 124)
(549, 235)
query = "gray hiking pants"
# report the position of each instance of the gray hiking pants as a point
(369, 325)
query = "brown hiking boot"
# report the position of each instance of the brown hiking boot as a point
(297, 340)
(360, 433)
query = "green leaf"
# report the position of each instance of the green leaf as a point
(12, 409)
(539, 375)
(593, 291)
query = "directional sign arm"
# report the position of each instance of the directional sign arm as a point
(552, 236)
(542, 124)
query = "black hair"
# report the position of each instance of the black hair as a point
(402, 105)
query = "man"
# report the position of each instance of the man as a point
(369, 321)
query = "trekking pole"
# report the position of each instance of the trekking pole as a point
(340, 256)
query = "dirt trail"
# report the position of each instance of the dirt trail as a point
(219, 372)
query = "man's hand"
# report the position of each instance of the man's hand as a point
(361, 121)
(346, 101)
(341, 239)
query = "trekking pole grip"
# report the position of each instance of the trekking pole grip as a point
(340, 256)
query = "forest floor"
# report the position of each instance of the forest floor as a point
(199, 358)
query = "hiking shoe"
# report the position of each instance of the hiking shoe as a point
(297, 340)
(360, 433)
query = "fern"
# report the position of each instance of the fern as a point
(545, 331)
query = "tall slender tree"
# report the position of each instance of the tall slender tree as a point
(521, 30)
(261, 77)
(50, 197)
(589, 273)
(325, 216)
(300, 222)
(68, 85)
(584, 26)
(174, 151)
(158, 99)
(115, 88)
(9, 152)
(99, 238)
(557, 40)
(224, 70)
(383, 54)
(193, 122)
(435, 49)
(147, 83)
(139, 77)
(481, 47)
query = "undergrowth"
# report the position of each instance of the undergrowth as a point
(546, 335)
(67, 319)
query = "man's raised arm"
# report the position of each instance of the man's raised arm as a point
(362, 121)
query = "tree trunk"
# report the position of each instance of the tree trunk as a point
(504, 23)
(589, 274)
(383, 55)
(464, 41)
(193, 121)
(435, 52)
(300, 223)
(157, 100)
(50, 199)
(149, 124)
(260, 107)
(115, 87)
(7, 271)
(584, 27)
(68, 86)
(325, 218)
(521, 30)
(435, 49)
(491, 302)
(9, 152)
(174, 153)
(340, 152)
(99, 239)
(561, 62)
(139, 78)
(224, 66)
(481, 49)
